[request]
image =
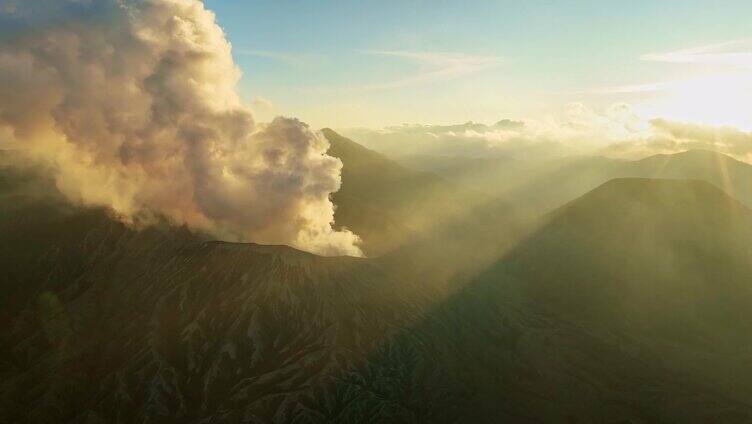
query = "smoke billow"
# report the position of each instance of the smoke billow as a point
(134, 102)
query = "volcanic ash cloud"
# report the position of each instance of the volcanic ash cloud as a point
(134, 103)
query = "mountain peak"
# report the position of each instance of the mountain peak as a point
(629, 184)
(696, 154)
(655, 191)
(624, 251)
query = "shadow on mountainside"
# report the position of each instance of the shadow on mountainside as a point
(628, 305)
(103, 323)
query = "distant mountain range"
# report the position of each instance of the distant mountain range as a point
(626, 304)
(390, 206)
(541, 186)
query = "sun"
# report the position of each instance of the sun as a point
(719, 99)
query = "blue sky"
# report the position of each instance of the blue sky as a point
(376, 63)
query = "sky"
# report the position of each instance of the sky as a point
(380, 63)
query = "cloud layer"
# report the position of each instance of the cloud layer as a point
(134, 103)
(581, 129)
(665, 136)
(615, 131)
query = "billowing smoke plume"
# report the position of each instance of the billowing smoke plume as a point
(135, 104)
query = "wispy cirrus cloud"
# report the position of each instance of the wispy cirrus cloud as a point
(434, 67)
(715, 88)
(287, 58)
(734, 56)
(737, 53)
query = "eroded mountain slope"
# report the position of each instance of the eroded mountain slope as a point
(105, 323)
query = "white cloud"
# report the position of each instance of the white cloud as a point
(614, 131)
(736, 53)
(579, 130)
(734, 56)
(135, 104)
(434, 67)
(716, 90)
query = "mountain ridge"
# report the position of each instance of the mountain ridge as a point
(636, 239)
(391, 206)
(107, 323)
(542, 186)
